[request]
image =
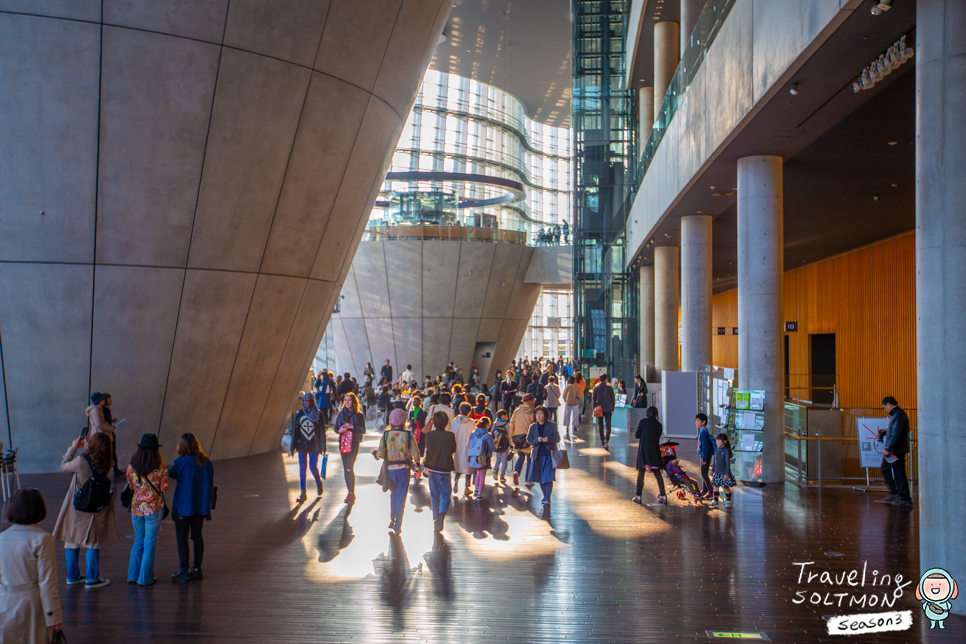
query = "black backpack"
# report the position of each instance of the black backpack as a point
(95, 494)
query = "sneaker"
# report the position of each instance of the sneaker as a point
(150, 583)
(607, 445)
(195, 574)
(502, 479)
(180, 577)
(891, 498)
(516, 479)
(727, 503)
(496, 477)
(546, 504)
(97, 583)
(79, 580)
(662, 499)
(350, 499)
(714, 503)
(637, 500)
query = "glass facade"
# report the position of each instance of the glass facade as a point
(605, 295)
(550, 332)
(459, 125)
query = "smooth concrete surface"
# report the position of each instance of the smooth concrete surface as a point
(666, 308)
(760, 332)
(427, 303)
(184, 187)
(637, 22)
(941, 283)
(690, 10)
(695, 292)
(551, 267)
(646, 281)
(665, 60)
(760, 45)
(645, 106)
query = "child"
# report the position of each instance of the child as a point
(722, 470)
(478, 454)
(679, 477)
(500, 431)
(480, 411)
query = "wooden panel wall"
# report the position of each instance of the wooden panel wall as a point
(867, 298)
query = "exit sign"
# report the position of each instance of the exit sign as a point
(730, 635)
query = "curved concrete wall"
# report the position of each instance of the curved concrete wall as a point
(425, 303)
(182, 189)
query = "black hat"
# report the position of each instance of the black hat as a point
(149, 441)
(97, 397)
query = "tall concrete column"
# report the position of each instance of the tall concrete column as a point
(647, 317)
(666, 308)
(941, 284)
(695, 292)
(665, 59)
(645, 106)
(760, 257)
(690, 10)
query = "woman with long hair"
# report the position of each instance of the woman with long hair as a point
(86, 529)
(193, 495)
(350, 425)
(147, 477)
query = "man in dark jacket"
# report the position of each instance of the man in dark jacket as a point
(895, 446)
(649, 432)
(603, 397)
(345, 386)
(440, 449)
(386, 373)
(508, 389)
(538, 391)
(705, 452)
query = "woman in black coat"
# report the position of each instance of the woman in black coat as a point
(649, 432)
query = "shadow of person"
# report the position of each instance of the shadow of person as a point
(336, 536)
(440, 564)
(288, 529)
(395, 578)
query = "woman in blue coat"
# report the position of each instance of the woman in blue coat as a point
(543, 438)
(195, 476)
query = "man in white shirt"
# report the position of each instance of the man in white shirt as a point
(407, 375)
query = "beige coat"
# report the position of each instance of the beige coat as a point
(28, 585)
(88, 529)
(571, 395)
(95, 418)
(520, 423)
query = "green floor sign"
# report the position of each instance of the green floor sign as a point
(730, 635)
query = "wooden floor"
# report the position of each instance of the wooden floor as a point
(598, 568)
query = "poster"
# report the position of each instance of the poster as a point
(757, 401)
(596, 372)
(743, 400)
(870, 447)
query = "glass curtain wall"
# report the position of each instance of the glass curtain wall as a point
(549, 334)
(605, 301)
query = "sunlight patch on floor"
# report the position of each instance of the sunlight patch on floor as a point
(608, 513)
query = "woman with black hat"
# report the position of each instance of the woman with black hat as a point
(147, 477)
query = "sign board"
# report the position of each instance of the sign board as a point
(555, 323)
(730, 635)
(734, 330)
(791, 327)
(596, 372)
(743, 400)
(622, 400)
(721, 330)
(870, 447)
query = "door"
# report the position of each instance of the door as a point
(823, 368)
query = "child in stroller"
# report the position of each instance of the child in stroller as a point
(680, 481)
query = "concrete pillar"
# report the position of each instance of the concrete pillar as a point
(665, 59)
(695, 292)
(645, 96)
(647, 317)
(941, 285)
(760, 269)
(666, 308)
(690, 10)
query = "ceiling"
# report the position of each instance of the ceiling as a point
(845, 186)
(641, 67)
(520, 46)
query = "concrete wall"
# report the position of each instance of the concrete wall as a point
(552, 267)
(426, 303)
(183, 188)
(760, 44)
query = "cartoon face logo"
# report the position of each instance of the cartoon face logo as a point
(936, 590)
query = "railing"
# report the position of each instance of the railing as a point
(445, 233)
(809, 388)
(813, 459)
(705, 30)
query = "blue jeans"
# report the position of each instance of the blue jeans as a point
(146, 529)
(397, 494)
(313, 464)
(72, 554)
(440, 492)
(521, 459)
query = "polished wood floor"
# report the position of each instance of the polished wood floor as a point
(597, 568)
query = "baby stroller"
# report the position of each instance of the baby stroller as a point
(682, 485)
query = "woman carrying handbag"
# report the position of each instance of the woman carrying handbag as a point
(147, 479)
(350, 425)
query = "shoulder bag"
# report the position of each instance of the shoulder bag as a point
(163, 500)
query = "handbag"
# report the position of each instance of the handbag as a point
(560, 459)
(345, 442)
(325, 461)
(127, 497)
(520, 441)
(598, 412)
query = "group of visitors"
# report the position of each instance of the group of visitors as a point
(554, 235)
